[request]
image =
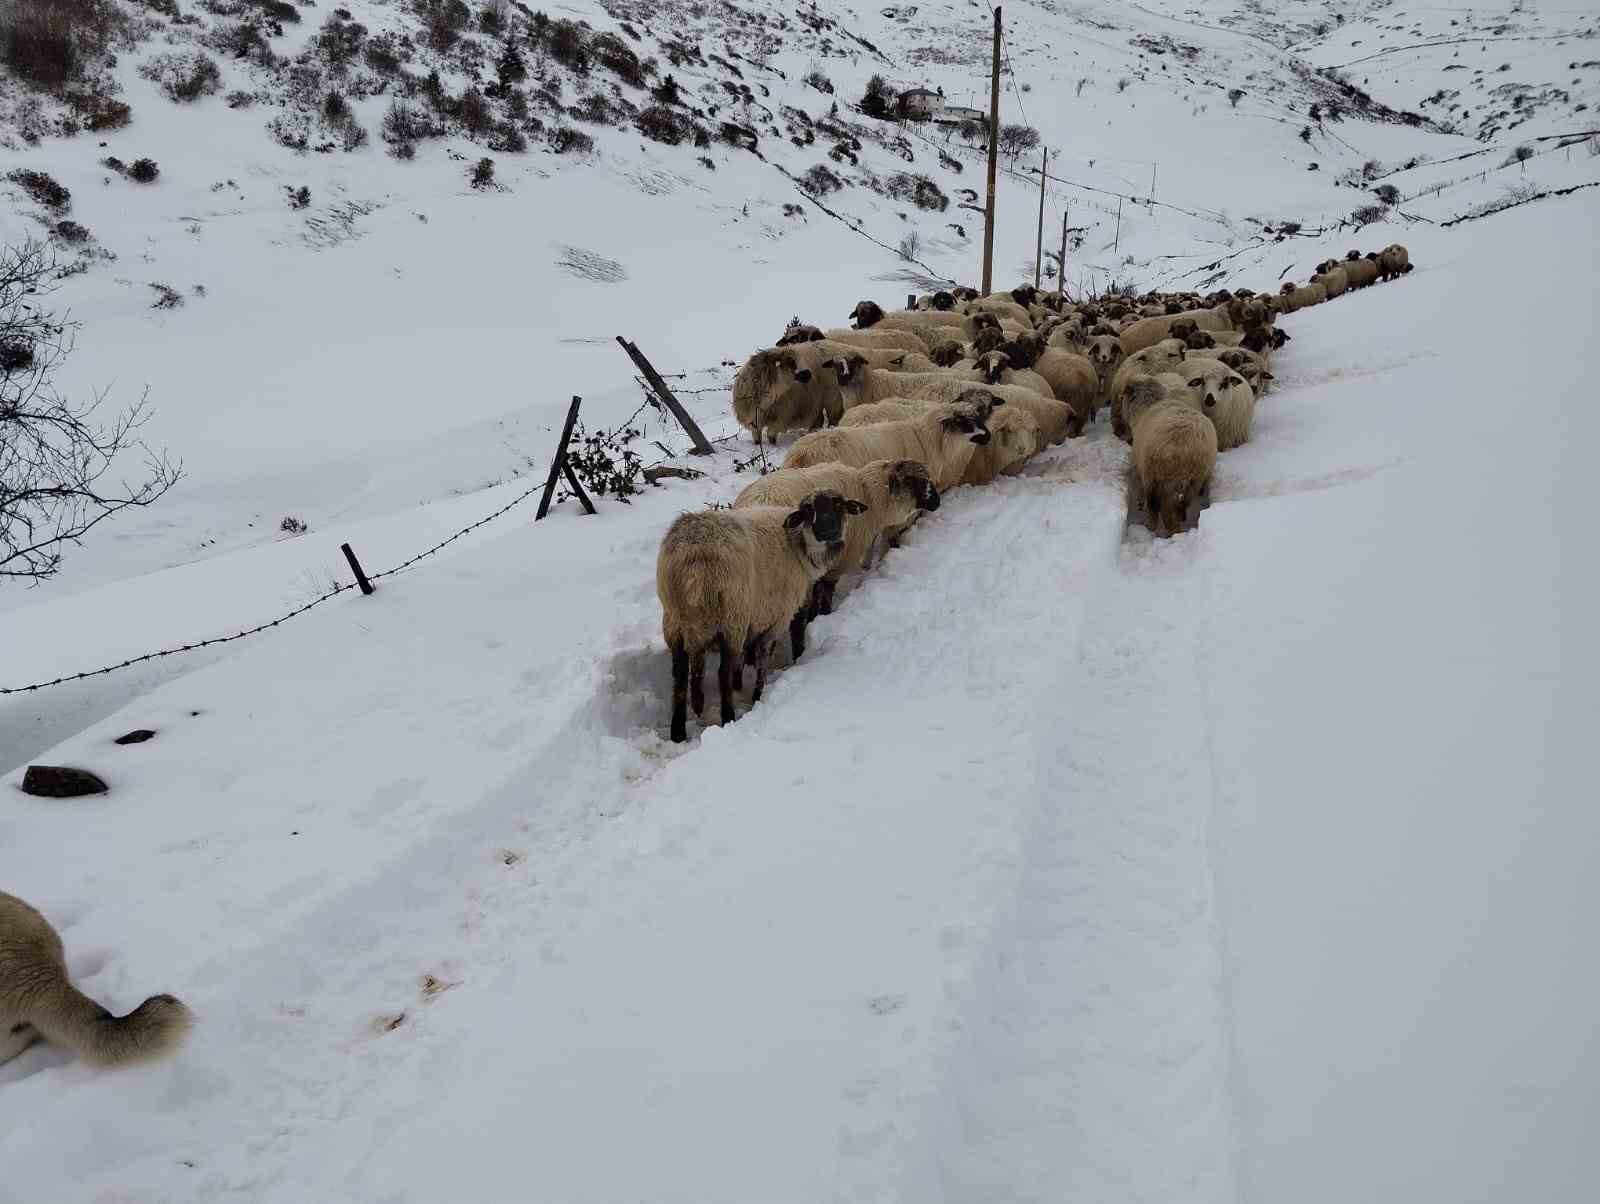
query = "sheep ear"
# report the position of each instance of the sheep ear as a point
(802, 515)
(851, 506)
(1197, 382)
(1265, 375)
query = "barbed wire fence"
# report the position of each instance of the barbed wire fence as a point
(328, 595)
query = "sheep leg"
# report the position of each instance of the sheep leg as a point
(725, 677)
(697, 685)
(763, 653)
(825, 590)
(680, 690)
(797, 635)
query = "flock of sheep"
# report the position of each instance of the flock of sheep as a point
(957, 390)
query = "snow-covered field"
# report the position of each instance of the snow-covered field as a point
(1253, 865)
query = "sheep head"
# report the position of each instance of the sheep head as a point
(819, 523)
(993, 365)
(1105, 353)
(1183, 328)
(988, 339)
(848, 368)
(1199, 340)
(943, 300)
(800, 334)
(947, 352)
(867, 314)
(909, 478)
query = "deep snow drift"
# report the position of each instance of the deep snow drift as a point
(1251, 865)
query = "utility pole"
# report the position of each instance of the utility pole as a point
(1152, 188)
(1061, 278)
(1118, 242)
(994, 158)
(1038, 252)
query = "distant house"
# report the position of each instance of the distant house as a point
(956, 114)
(922, 104)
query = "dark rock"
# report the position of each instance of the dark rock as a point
(59, 781)
(137, 736)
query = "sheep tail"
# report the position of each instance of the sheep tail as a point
(68, 1017)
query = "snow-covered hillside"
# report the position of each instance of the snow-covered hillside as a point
(1251, 865)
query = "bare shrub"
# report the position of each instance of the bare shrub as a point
(920, 190)
(661, 124)
(566, 140)
(43, 189)
(820, 180)
(1366, 215)
(1016, 138)
(143, 171)
(183, 77)
(910, 246)
(1387, 193)
(54, 451)
(481, 174)
(48, 43)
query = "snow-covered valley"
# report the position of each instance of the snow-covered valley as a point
(1068, 864)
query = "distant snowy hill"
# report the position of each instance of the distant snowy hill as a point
(1253, 865)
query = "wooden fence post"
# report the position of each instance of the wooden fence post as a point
(559, 465)
(702, 447)
(355, 567)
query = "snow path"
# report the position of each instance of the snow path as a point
(1101, 1068)
(919, 713)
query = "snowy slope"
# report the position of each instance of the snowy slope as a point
(1252, 865)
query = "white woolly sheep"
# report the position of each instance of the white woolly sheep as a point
(1361, 272)
(1148, 331)
(1014, 437)
(38, 1001)
(1334, 280)
(1104, 352)
(1174, 455)
(1165, 356)
(994, 368)
(731, 580)
(783, 389)
(896, 494)
(1072, 378)
(1251, 365)
(943, 439)
(1002, 306)
(869, 315)
(879, 338)
(1218, 392)
(860, 384)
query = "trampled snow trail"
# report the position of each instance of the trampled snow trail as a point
(1099, 1069)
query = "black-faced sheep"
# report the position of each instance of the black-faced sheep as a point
(1394, 260)
(943, 439)
(1174, 455)
(732, 580)
(1165, 356)
(860, 384)
(1148, 331)
(800, 334)
(38, 1000)
(896, 494)
(869, 315)
(946, 353)
(994, 368)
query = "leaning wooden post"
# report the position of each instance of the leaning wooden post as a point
(559, 465)
(355, 567)
(702, 447)
(1061, 277)
(994, 159)
(1038, 251)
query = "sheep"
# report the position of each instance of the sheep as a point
(1174, 455)
(896, 494)
(990, 338)
(878, 339)
(943, 438)
(861, 384)
(781, 389)
(731, 579)
(1002, 306)
(869, 315)
(1072, 379)
(1069, 334)
(1306, 295)
(994, 368)
(38, 1000)
(1361, 272)
(1014, 436)
(1146, 331)
(1165, 356)
(1104, 352)
(981, 320)
(1249, 364)
(1218, 392)
(1334, 280)
(946, 353)
(888, 358)
(799, 332)
(1394, 260)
